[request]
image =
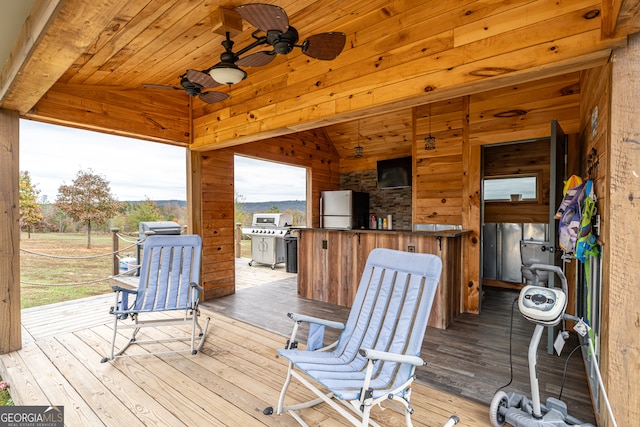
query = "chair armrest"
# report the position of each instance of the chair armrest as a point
(197, 286)
(391, 357)
(309, 319)
(121, 289)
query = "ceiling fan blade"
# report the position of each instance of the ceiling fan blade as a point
(152, 86)
(213, 97)
(257, 59)
(264, 16)
(324, 46)
(202, 79)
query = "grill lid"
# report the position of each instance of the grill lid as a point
(272, 220)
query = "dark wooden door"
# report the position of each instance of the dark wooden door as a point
(558, 176)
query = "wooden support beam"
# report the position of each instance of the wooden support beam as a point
(10, 329)
(225, 20)
(610, 13)
(620, 357)
(48, 45)
(471, 165)
(155, 115)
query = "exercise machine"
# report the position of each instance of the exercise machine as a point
(544, 307)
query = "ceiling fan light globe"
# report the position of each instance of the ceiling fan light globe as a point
(227, 75)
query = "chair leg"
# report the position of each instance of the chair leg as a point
(202, 332)
(113, 341)
(287, 381)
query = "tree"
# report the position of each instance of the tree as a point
(240, 215)
(30, 211)
(143, 212)
(88, 200)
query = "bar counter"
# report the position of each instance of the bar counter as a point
(331, 262)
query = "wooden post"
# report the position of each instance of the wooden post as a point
(471, 165)
(619, 356)
(238, 238)
(10, 328)
(115, 248)
(194, 193)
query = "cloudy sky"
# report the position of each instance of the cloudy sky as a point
(137, 170)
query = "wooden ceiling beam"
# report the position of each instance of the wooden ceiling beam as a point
(154, 115)
(225, 20)
(620, 17)
(54, 35)
(610, 12)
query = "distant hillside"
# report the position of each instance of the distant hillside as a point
(282, 205)
(171, 202)
(160, 203)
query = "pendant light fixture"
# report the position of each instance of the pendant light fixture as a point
(358, 151)
(430, 141)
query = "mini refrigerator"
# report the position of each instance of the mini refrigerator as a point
(344, 209)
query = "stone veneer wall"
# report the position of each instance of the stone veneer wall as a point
(382, 202)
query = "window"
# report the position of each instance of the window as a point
(502, 188)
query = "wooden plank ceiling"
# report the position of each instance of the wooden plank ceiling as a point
(398, 55)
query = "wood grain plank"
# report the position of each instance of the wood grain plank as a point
(10, 331)
(15, 369)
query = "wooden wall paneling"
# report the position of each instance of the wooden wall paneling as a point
(218, 259)
(382, 137)
(518, 212)
(620, 357)
(10, 327)
(439, 173)
(594, 134)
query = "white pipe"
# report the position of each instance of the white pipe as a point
(533, 376)
(604, 393)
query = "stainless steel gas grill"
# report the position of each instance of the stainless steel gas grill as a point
(267, 233)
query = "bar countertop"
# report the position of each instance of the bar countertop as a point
(437, 233)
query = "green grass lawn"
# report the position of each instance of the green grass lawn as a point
(50, 279)
(47, 280)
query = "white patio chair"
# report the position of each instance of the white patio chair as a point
(375, 357)
(169, 282)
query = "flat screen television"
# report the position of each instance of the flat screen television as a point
(393, 173)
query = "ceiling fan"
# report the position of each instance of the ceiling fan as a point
(273, 29)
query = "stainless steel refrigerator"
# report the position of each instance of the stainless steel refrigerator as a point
(344, 209)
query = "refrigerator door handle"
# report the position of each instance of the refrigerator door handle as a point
(321, 212)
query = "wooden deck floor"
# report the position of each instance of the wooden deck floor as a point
(228, 383)
(470, 359)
